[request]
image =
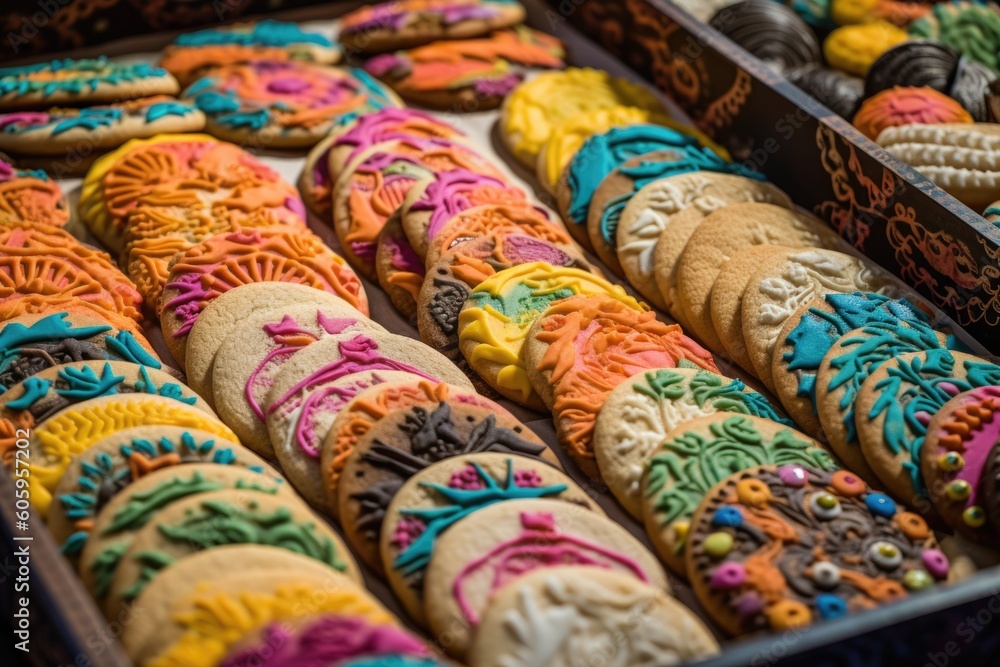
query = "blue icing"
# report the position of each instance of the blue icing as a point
(199, 85)
(390, 660)
(92, 73)
(89, 119)
(830, 606)
(264, 33)
(378, 98)
(727, 516)
(160, 109)
(880, 504)
(253, 119)
(51, 328)
(603, 153)
(125, 345)
(214, 103)
(34, 389)
(696, 158)
(814, 12)
(83, 383)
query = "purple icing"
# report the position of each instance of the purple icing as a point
(472, 12)
(384, 125)
(288, 85)
(187, 304)
(447, 196)
(404, 258)
(793, 476)
(6, 171)
(364, 250)
(524, 249)
(498, 87)
(386, 62)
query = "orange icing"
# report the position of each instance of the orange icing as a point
(498, 219)
(32, 200)
(905, 106)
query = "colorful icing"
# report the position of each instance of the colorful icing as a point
(72, 77)
(396, 15)
(907, 106)
(972, 29)
(92, 119)
(854, 48)
(262, 33)
(29, 196)
(452, 192)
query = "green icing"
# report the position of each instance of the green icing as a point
(521, 303)
(105, 565)
(709, 389)
(150, 564)
(972, 29)
(690, 465)
(142, 506)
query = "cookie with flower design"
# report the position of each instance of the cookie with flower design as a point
(780, 547)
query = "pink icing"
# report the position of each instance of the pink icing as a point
(326, 641)
(320, 407)
(977, 445)
(292, 84)
(288, 85)
(407, 530)
(384, 125)
(404, 257)
(527, 478)
(386, 62)
(497, 87)
(525, 249)
(23, 118)
(466, 479)
(6, 172)
(539, 545)
(936, 563)
(447, 196)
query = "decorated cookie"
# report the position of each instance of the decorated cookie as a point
(896, 403)
(698, 454)
(364, 410)
(781, 547)
(582, 347)
(639, 413)
(325, 639)
(397, 25)
(623, 183)
(907, 106)
(399, 270)
(199, 619)
(468, 74)
(811, 331)
(30, 196)
(971, 28)
(128, 511)
(465, 267)
(770, 31)
(840, 92)
(393, 660)
(564, 616)
(191, 54)
(535, 108)
(31, 343)
(225, 261)
(853, 48)
(599, 155)
(60, 132)
(480, 553)
(407, 440)
(249, 358)
(959, 158)
(191, 525)
(777, 289)
(308, 389)
(431, 204)
(55, 442)
(374, 184)
(520, 219)
(112, 464)
(291, 104)
(436, 498)
(961, 465)
(222, 315)
(330, 156)
(847, 363)
(498, 313)
(717, 238)
(678, 204)
(80, 82)
(937, 66)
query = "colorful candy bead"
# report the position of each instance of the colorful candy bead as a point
(728, 516)
(886, 556)
(974, 516)
(917, 580)
(830, 606)
(958, 490)
(936, 563)
(826, 575)
(880, 504)
(793, 476)
(717, 545)
(951, 461)
(728, 576)
(824, 506)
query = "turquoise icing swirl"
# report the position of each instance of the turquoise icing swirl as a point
(91, 74)
(263, 33)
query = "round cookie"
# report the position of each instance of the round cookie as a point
(972, 28)
(291, 104)
(219, 317)
(808, 335)
(116, 525)
(244, 368)
(198, 620)
(698, 454)
(225, 261)
(960, 463)
(467, 75)
(372, 186)
(191, 54)
(31, 343)
(780, 547)
(960, 158)
(435, 498)
(771, 32)
(484, 550)
(648, 261)
(718, 237)
(639, 412)
(907, 106)
(82, 82)
(835, 90)
(582, 347)
(192, 524)
(30, 197)
(431, 204)
(776, 290)
(855, 48)
(397, 25)
(530, 112)
(399, 270)
(365, 409)
(410, 439)
(55, 442)
(499, 311)
(848, 362)
(563, 617)
(112, 464)
(896, 403)
(464, 267)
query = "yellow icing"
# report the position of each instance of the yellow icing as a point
(61, 437)
(854, 48)
(535, 107)
(218, 620)
(846, 12)
(499, 337)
